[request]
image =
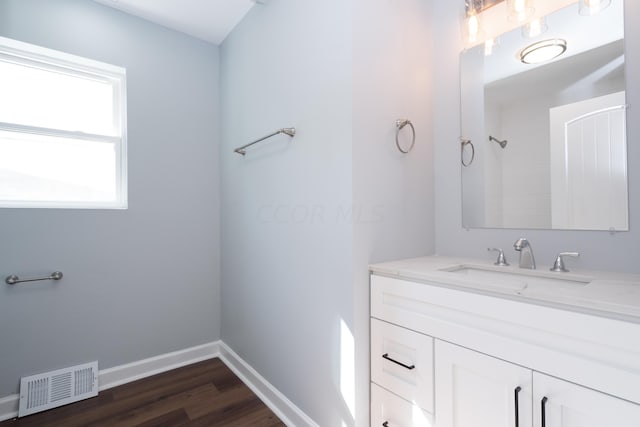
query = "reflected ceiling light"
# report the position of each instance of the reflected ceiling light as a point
(535, 28)
(472, 29)
(593, 7)
(488, 46)
(543, 51)
(520, 10)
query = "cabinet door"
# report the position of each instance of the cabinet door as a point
(570, 405)
(402, 362)
(476, 390)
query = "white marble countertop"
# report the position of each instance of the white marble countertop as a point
(602, 293)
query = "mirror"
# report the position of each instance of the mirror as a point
(549, 139)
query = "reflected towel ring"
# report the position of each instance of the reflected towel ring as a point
(400, 123)
(463, 143)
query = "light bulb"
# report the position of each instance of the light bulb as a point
(473, 26)
(520, 10)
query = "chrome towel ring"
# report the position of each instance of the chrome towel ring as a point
(463, 143)
(400, 123)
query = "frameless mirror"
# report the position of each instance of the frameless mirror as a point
(549, 138)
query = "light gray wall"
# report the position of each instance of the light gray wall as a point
(286, 205)
(138, 282)
(392, 79)
(302, 219)
(599, 249)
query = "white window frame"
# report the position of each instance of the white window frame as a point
(49, 59)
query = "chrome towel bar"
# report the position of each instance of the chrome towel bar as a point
(287, 131)
(13, 279)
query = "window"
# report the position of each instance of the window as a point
(62, 130)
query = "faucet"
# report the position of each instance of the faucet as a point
(526, 253)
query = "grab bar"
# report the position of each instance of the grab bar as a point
(287, 131)
(13, 279)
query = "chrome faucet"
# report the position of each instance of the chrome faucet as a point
(526, 253)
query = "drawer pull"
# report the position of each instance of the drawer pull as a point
(386, 356)
(385, 424)
(543, 410)
(515, 393)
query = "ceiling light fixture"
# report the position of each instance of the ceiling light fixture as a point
(543, 51)
(593, 7)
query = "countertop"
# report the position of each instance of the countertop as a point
(601, 293)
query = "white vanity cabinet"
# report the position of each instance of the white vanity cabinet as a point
(482, 360)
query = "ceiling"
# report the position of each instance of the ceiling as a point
(209, 20)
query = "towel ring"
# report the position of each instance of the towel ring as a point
(400, 123)
(463, 143)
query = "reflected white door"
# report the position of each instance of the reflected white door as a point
(589, 164)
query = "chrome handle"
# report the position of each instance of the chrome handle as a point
(13, 279)
(543, 411)
(502, 260)
(516, 392)
(386, 356)
(558, 265)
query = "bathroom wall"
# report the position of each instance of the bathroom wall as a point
(392, 79)
(137, 282)
(599, 249)
(287, 208)
(303, 218)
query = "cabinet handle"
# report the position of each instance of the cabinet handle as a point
(516, 392)
(543, 411)
(386, 356)
(385, 424)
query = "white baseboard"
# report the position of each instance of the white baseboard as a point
(290, 414)
(134, 371)
(9, 407)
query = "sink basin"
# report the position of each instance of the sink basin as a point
(521, 281)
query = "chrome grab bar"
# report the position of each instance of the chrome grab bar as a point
(13, 279)
(287, 131)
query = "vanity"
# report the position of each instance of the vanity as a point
(465, 343)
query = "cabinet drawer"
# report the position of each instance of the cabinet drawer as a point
(389, 410)
(402, 362)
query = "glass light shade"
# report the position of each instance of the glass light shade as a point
(520, 10)
(543, 51)
(472, 31)
(471, 28)
(535, 28)
(593, 7)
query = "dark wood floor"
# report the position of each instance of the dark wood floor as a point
(202, 394)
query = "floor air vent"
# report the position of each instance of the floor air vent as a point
(56, 388)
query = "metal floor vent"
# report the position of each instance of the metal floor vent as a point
(56, 388)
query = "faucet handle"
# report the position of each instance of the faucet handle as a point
(502, 261)
(558, 265)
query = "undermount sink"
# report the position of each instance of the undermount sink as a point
(521, 281)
